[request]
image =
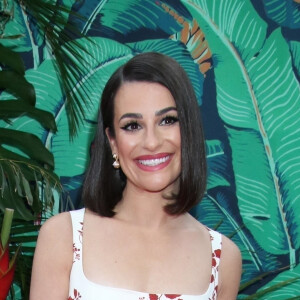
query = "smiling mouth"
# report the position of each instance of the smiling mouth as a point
(154, 162)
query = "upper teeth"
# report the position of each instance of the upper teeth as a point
(154, 162)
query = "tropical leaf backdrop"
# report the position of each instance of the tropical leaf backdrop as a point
(243, 58)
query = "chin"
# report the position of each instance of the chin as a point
(159, 186)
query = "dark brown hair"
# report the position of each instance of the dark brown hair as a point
(103, 186)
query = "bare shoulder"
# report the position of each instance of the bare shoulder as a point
(230, 250)
(61, 222)
(57, 232)
(53, 258)
(230, 270)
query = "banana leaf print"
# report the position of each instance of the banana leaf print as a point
(74, 157)
(283, 13)
(243, 58)
(124, 20)
(259, 123)
(295, 52)
(259, 107)
(45, 28)
(177, 51)
(26, 166)
(18, 26)
(218, 210)
(282, 290)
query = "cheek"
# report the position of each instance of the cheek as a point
(125, 145)
(175, 138)
(179, 139)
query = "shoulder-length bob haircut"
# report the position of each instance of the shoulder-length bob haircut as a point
(103, 186)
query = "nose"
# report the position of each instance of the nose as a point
(152, 139)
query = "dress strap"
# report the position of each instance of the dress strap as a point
(77, 225)
(216, 245)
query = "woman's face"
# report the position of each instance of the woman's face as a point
(147, 136)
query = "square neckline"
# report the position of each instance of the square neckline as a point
(108, 288)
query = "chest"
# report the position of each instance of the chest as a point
(147, 261)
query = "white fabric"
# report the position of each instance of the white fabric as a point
(82, 288)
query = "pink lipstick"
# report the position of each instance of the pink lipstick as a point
(155, 162)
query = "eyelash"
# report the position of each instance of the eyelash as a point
(168, 120)
(172, 120)
(130, 124)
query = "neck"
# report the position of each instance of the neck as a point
(143, 209)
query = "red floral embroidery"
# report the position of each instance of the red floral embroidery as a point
(76, 295)
(217, 253)
(214, 262)
(167, 296)
(211, 292)
(76, 253)
(80, 232)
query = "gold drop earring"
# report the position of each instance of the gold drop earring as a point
(116, 163)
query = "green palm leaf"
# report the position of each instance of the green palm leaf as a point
(71, 156)
(93, 11)
(47, 24)
(284, 12)
(20, 178)
(283, 286)
(16, 108)
(215, 212)
(178, 51)
(217, 165)
(12, 60)
(29, 144)
(12, 76)
(295, 51)
(26, 166)
(17, 28)
(23, 233)
(108, 55)
(17, 85)
(218, 209)
(260, 107)
(126, 17)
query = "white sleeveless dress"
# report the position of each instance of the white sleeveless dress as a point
(83, 289)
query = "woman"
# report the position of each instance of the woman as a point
(135, 238)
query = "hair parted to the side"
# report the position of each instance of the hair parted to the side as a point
(104, 185)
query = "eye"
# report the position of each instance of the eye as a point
(131, 126)
(169, 120)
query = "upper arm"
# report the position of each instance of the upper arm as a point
(230, 270)
(53, 259)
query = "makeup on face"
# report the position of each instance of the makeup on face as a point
(134, 118)
(155, 162)
(147, 135)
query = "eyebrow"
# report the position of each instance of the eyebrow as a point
(140, 116)
(165, 110)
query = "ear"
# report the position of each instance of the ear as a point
(112, 141)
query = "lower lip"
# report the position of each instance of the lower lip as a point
(154, 168)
